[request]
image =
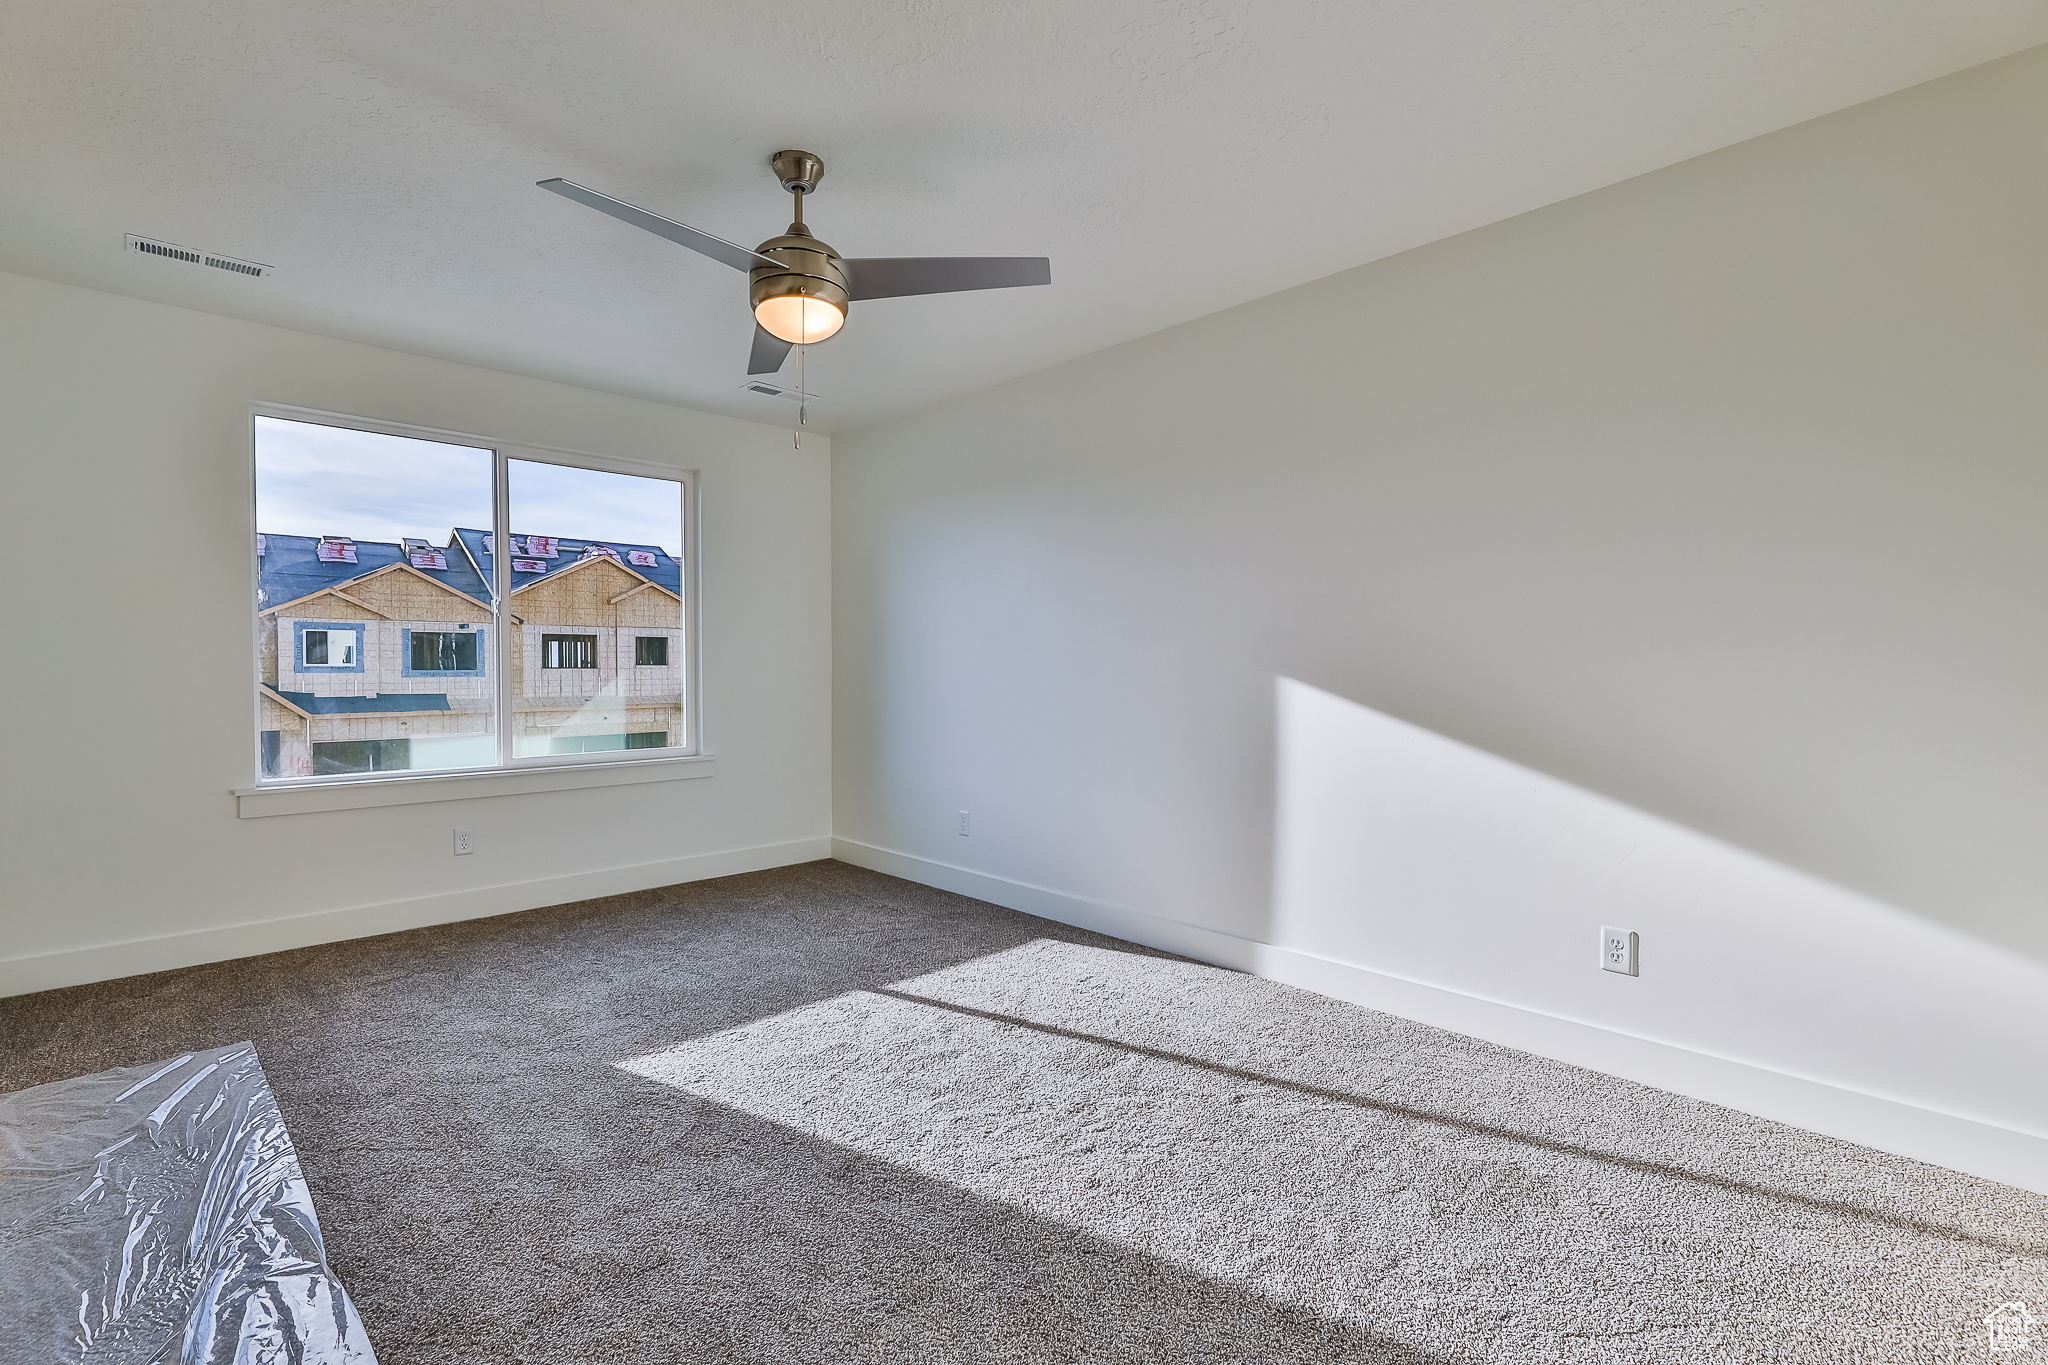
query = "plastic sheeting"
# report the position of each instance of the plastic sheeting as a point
(157, 1214)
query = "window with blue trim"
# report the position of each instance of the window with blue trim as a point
(328, 646)
(457, 653)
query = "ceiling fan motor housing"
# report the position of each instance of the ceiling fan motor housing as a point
(809, 268)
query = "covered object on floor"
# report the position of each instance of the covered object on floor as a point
(157, 1214)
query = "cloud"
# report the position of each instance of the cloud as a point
(588, 504)
(314, 480)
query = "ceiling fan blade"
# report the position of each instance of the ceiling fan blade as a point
(717, 248)
(770, 351)
(890, 277)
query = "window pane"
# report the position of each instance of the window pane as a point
(568, 651)
(596, 573)
(444, 651)
(373, 605)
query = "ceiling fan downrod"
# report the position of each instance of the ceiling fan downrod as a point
(802, 297)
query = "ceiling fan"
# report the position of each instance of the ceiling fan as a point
(800, 287)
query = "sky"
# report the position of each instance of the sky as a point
(314, 480)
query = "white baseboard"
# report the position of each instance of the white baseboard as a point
(1890, 1125)
(107, 961)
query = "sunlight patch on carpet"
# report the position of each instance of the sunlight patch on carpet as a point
(1359, 1166)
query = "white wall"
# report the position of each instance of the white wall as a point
(126, 686)
(1721, 493)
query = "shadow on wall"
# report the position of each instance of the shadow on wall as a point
(1401, 851)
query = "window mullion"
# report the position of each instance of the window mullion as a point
(502, 643)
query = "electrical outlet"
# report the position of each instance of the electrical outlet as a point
(464, 842)
(1618, 950)
(960, 827)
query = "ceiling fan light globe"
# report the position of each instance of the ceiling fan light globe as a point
(799, 319)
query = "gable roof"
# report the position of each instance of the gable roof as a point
(590, 564)
(290, 568)
(665, 572)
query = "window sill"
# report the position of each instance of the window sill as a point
(252, 802)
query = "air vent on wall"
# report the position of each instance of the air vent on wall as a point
(768, 390)
(171, 251)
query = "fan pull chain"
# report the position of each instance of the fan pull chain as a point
(803, 387)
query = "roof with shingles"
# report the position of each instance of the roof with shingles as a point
(377, 703)
(664, 571)
(290, 567)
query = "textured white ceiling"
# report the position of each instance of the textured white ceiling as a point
(1171, 157)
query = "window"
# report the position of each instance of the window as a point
(442, 651)
(362, 756)
(597, 744)
(568, 651)
(391, 636)
(329, 648)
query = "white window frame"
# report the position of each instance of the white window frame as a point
(327, 634)
(512, 772)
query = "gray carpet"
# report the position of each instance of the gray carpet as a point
(821, 1115)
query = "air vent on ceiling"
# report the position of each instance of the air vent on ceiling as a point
(768, 390)
(171, 251)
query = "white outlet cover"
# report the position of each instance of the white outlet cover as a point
(1617, 950)
(465, 842)
(962, 827)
